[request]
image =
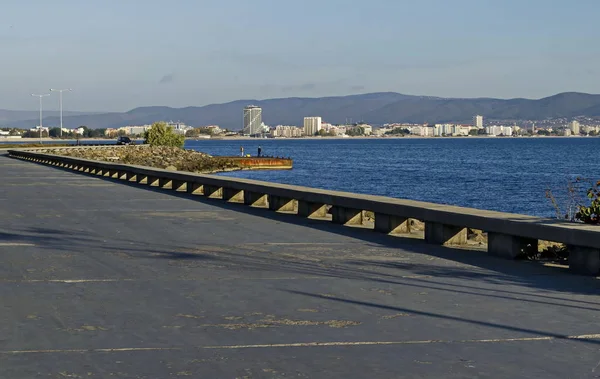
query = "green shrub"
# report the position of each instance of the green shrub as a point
(590, 214)
(162, 135)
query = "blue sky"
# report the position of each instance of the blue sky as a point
(119, 54)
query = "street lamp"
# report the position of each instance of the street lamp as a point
(60, 91)
(40, 96)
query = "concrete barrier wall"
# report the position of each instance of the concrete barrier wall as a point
(509, 235)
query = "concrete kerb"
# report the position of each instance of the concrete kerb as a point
(509, 234)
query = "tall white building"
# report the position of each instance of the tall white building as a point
(574, 126)
(478, 121)
(496, 130)
(252, 120)
(312, 125)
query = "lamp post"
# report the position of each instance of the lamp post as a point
(40, 96)
(60, 91)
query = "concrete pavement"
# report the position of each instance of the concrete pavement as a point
(101, 279)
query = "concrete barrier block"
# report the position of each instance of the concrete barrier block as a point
(511, 247)
(391, 224)
(584, 260)
(255, 199)
(213, 192)
(309, 209)
(195, 188)
(233, 195)
(281, 204)
(442, 234)
(347, 216)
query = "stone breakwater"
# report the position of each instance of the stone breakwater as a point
(173, 158)
(170, 158)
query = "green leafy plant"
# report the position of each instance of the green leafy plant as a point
(163, 135)
(590, 214)
(577, 207)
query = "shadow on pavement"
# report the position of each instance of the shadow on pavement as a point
(485, 269)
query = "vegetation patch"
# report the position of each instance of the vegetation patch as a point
(165, 157)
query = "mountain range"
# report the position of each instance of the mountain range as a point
(374, 108)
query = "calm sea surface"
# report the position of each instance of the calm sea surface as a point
(504, 174)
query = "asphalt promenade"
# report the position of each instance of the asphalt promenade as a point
(101, 279)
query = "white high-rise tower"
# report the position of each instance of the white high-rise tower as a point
(252, 120)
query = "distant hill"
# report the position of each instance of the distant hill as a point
(375, 108)
(8, 117)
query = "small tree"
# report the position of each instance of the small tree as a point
(162, 135)
(55, 132)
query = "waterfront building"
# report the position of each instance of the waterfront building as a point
(368, 129)
(133, 130)
(574, 126)
(38, 128)
(214, 129)
(381, 131)
(179, 127)
(336, 130)
(499, 130)
(440, 130)
(426, 131)
(326, 126)
(478, 121)
(252, 120)
(507, 130)
(287, 131)
(312, 125)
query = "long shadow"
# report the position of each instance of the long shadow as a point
(520, 273)
(307, 268)
(56, 239)
(39, 236)
(446, 317)
(273, 263)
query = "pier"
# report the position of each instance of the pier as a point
(119, 271)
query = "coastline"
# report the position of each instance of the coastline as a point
(246, 138)
(243, 138)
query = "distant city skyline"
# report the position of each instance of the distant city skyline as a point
(122, 54)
